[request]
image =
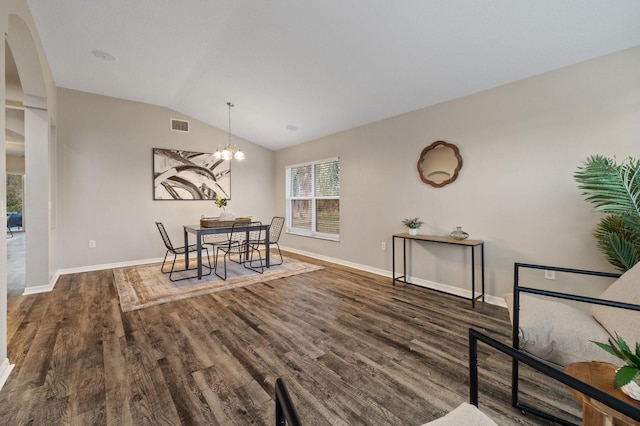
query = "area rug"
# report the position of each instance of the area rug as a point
(145, 285)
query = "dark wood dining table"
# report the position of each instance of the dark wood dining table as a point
(199, 231)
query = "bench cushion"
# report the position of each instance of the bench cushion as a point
(622, 321)
(557, 332)
(464, 414)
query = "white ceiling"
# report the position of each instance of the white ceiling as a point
(322, 66)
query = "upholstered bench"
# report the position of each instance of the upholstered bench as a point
(464, 414)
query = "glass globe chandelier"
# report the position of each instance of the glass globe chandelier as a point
(229, 151)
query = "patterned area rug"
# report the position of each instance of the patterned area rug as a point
(145, 285)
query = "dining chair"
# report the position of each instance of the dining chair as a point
(277, 223)
(9, 215)
(242, 242)
(215, 240)
(178, 251)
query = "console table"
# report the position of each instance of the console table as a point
(472, 244)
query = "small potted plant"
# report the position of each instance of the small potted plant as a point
(413, 224)
(221, 202)
(627, 377)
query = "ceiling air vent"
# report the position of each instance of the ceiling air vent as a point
(179, 125)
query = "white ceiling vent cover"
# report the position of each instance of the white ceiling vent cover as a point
(179, 125)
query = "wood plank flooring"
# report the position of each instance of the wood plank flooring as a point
(352, 349)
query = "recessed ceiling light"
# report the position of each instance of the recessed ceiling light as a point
(292, 127)
(105, 56)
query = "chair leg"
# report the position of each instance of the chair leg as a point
(249, 262)
(279, 253)
(240, 254)
(164, 262)
(208, 266)
(215, 263)
(173, 266)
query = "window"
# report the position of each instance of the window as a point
(15, 197)
(313, 199)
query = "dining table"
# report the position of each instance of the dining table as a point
(199, 231)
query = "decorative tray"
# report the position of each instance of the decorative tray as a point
(215, 222)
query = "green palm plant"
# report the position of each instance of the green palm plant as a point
(614, 189)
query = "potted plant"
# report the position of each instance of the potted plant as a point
(221, 202)
(413, 224)
(628, 376)
(614, 189)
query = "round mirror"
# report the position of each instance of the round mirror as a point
(439, 164)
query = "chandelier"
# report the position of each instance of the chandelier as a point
(229, 151)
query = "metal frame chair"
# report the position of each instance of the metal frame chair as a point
(178, 251)
(243, 240)
(286, 413)
(517, 290)
(275, 229)
(519, 355)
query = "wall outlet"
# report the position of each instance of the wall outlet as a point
(383, 246)
(550, 275)
(92, 243)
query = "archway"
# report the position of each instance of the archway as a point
(20, 41)
(36, 134)
(15, 168)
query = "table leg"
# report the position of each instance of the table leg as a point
(267, 256)
(404, 259)
(186, 249)
(246, 247)
(482, 265)
(473, 277)
(199, 248)
(393, 260)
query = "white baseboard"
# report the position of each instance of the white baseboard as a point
(58, 273)
(5, 370)
(493, 300)
(417, 281)
(109, 266)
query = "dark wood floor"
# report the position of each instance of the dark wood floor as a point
(352, 349)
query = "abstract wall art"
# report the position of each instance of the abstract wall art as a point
(188, 175)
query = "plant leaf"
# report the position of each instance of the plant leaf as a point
(621, 251)
(634, 360)
(608, 348)
(622, 344)
(611, 187)
(614, 189)
(624, 375)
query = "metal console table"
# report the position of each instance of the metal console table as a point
(472, 244)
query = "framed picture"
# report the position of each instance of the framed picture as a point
(188, 175)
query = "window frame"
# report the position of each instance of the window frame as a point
(313, 233)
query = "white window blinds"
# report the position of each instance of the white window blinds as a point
(313, 199)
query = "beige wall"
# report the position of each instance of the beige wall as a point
(521, 144)
(105, 174)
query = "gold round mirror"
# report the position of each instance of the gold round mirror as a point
(439, 164)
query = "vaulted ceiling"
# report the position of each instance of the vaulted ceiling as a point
(300, 70)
